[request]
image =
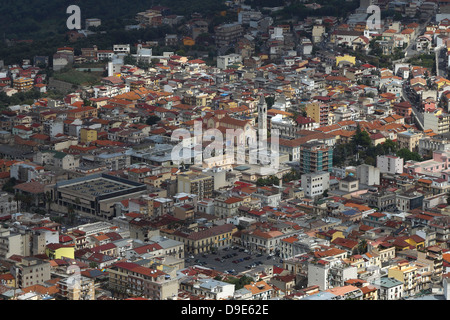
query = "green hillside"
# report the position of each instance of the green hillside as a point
(38, 19)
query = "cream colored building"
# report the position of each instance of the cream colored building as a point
(406, 273)
(196, 183)
(127, 279)
(77, 287)
(409, 140)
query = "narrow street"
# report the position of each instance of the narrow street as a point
(418, 116)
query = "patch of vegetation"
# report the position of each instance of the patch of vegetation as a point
(78, 77)
(26, 97)
(336, 8)
(271, 180)
(240, 282)
(407, 155)
(39, 19)
(362, 146)
(152, 120)
(424, 60)
(9, 185)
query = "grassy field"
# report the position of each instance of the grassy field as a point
(79, 77)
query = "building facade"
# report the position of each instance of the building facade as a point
(196, 183)
(390, 164)
(314, 184)
(131, 279)
(95, 194)
(31, 271)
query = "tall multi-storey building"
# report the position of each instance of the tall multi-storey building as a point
(315, 156)
(368, 175)
(409, 140)
(318, 112)
(77, 288)
(228, 33)
(13, 243)
(199, 184)
(23, 84)
(31, 271)
(406, 273)
(315, 183)
(437, 121)
(390, 164)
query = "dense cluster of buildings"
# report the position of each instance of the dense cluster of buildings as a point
(102, 159)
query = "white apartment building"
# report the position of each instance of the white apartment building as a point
(12, 243)
(105, 54)
(438, 122)
(268, 198)
(390, 164)
(389, 288)
(121, 48)
(213, 289)
(300, 244)
(329, 272)
(368, 175)
(315, 183)
(227, 60)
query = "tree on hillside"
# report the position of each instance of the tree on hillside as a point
(407, 155)
(152, 120)
(361, 138)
